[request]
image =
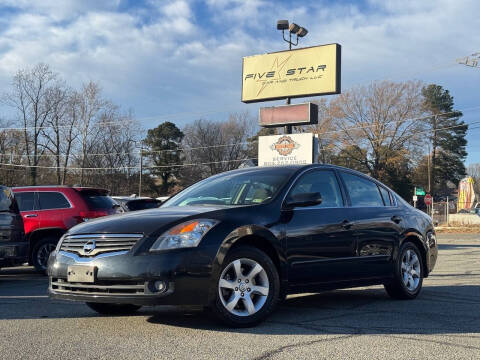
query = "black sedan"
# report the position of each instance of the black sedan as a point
(240, 241)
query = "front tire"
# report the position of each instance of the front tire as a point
(248, 288)
(113, 309)
(408, 278)
(41, 251)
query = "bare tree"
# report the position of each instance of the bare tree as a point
(325, 129)
(91, 109)
(12, 152)
(474, 171)
(376, 124)
(218, 145)
(60, 131)
(31, 98)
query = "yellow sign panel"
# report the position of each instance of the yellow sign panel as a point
(303, 72)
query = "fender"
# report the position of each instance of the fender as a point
(412, 233)
(239, 234)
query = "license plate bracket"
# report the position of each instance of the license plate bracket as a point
(81, 274)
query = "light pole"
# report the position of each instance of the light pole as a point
(300, 32)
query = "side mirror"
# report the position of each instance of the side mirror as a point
(303, 200)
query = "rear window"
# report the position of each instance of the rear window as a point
(97, 201)
(25, 201)
(362, 192)
(52, 200)
(143, 204)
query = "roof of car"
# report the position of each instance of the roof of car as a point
(40, 187)
(292, 168)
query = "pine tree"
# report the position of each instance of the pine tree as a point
(164, 151)
(447, 139)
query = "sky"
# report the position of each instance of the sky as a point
(180, 60)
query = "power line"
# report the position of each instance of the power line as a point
(65, 126)
(146, 152)
(125, 167)
(191, 164)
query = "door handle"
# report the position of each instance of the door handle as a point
(30, 215)
(346, 224)
(396, 219)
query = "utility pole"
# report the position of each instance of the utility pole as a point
(428, 171)
(141, 170)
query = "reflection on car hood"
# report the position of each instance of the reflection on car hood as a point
(143, 221)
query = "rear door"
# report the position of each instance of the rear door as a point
(26, 203)
(376, 224)
(319, 241)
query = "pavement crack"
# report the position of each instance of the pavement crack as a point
(280, 349)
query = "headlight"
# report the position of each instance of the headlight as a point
(184, 235)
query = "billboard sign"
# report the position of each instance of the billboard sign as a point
(297, 114)
(287, 149)
(301, 72)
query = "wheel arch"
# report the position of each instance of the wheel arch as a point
(255, 236)
(417, 239)
(39, 234)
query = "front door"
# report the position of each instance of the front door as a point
(319, 238)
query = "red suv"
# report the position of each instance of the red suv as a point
(49, 211)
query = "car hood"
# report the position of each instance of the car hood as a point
(144, 221)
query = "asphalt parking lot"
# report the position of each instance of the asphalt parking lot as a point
(444, 322)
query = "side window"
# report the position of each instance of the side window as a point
(322, 181)
(25, 200)
(362, 192)
(386, 196)
(52, 200)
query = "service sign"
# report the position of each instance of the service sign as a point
(288, 149)
(303, 72)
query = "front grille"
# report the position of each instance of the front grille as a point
(92, 245)
(99, 288)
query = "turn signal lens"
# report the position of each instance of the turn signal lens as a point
(184, 235)
(183, 228)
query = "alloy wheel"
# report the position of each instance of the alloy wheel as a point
(411, 271)
(243, 287)
(43, 253)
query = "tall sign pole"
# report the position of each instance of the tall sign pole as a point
(292, 73)
(288, 128)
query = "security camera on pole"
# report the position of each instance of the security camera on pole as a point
(304, 72)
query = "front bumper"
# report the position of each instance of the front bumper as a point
(129, 279)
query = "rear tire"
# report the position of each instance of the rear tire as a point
(113, 309)
(408, 277)
(247, 289)
(41, 251)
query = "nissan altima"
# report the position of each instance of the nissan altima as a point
(238, 242)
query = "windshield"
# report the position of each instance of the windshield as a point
(248, 188)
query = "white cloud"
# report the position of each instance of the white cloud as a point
(165, 58)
